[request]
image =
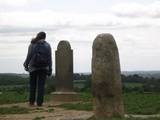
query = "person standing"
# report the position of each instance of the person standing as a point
(39, 64)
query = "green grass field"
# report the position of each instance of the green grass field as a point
(132, 85)
(13, 97)
(131, 118)
(16, 97)
(134, 103)
(13, 110)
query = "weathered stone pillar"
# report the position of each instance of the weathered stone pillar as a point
(64, 67)
(64, 73)
(106, 78)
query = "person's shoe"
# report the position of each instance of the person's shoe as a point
(39, 105)
(31, 104)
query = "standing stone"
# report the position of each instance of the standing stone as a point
(106, 78)
(64, 67)
(64, 73)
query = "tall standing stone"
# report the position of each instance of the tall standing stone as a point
(64, 73)
(64, 67)
(106, 78)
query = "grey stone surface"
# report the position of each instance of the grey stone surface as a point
(64, 74)
(106, 78)
(64, 67)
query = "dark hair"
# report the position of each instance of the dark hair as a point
(40, 35)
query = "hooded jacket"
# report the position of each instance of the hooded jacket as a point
(31, 51)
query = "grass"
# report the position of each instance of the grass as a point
(142, 103)
(130, 118)
(77, 106)
(15, 97)
(134, 103)
(79, 83)
(13, 110)
(38, 109)
(132, 85)
(39, 118)
(86, 96)
(50, 110)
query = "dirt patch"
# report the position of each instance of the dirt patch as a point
(50, 111)
(47, 112)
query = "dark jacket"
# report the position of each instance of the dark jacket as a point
(31, 51)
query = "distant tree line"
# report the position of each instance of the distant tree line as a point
(140, 84)
(131, 83)
(13, 79)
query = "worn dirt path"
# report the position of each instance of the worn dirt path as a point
(44, 113)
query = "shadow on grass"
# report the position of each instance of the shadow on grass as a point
(14, 110)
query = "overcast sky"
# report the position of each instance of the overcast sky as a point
(135, 26)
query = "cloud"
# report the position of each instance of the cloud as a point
(135, 10)
(121, 17)
(48, 19)
(14, 2)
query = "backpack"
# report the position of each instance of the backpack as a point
(41, 55)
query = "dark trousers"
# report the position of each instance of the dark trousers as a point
(37, 82)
